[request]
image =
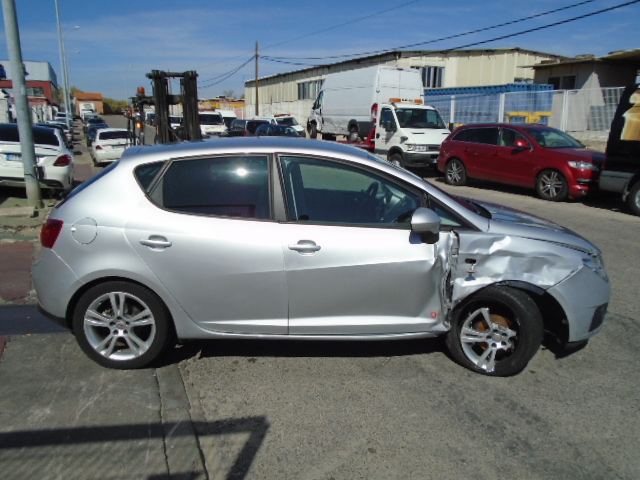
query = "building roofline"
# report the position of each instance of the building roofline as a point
(397, 54)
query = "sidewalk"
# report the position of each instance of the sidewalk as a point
(62, 415)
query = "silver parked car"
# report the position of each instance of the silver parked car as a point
(278, 238)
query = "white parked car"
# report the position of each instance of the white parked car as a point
(54, 161)
(110, 144)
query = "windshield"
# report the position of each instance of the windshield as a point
(41, 135)
(211, 119)
(110, 135)
(419, 118)
(552, 138)
(290, 121)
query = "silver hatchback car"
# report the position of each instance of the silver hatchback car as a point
(277, 238)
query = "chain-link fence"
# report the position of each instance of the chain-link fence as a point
(585, 113)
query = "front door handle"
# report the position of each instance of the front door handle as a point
(305, 247)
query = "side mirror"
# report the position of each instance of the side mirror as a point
(521, 144)
(389, 126)
(426, 223)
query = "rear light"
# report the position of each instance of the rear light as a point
(98, 147)
(374, 112)
(50, 232)
(62, 161)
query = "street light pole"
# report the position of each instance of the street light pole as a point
(25, 129)
(63, 62)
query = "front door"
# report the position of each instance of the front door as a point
(353, 265)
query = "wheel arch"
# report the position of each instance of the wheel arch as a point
(630, 184)
(394, 150)
(73, 302)
(553, 315)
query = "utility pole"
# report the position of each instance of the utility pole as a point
(25, 129)
(257, 97)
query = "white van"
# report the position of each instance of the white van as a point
(228, 116)
(212, 124)
(348, 101)
(409, 134)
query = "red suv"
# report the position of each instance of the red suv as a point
(533, 156)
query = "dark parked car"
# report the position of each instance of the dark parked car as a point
(621, 170)
(252, 125)
(91, 120)
(552, 162)
(237, 128)
(91, 132)
(271, 130)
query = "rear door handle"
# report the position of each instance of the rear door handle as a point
(305, 247)
(156, 242)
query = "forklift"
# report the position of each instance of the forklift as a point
(161, 100)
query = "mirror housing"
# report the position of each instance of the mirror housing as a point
(521, 144)
(426, 223)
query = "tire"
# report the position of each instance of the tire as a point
(496, 332)
(313, 131)
(353, 134)
(633, 200)
(551, 185)
(121, 325)
(455, 173)
(396, 159)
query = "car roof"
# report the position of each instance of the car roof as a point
(509, 125)
(238, 145)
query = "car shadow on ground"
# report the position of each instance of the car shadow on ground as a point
(301, 348)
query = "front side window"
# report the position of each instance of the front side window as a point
(321, 191)
(221, 186)
(386, 119)
(508, 137)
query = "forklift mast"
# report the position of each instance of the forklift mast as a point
(161, 99)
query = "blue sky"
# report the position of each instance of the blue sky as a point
(118, 42)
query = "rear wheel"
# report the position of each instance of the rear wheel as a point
(633, 200)
(313, 131)
(455, 173)
(551, 185)
(353, 134)
(496, 332)
(121, 325)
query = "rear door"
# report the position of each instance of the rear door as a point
(480, 152)
(208, 236)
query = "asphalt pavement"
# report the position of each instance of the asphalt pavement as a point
(61, 415)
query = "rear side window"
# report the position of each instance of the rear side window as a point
(41, 135)
(220, 186)
(145, 174)
(486, 135)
